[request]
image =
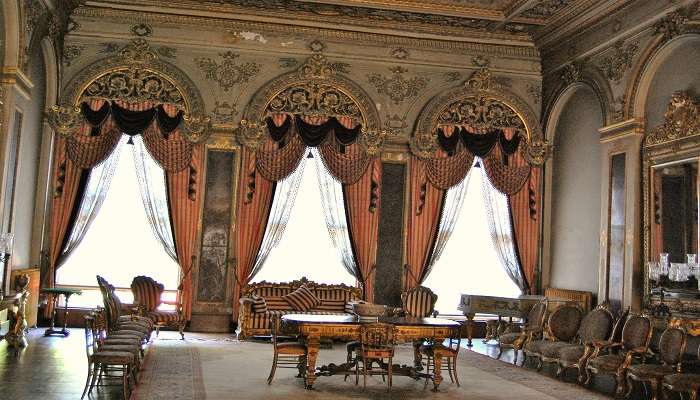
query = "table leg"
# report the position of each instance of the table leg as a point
(65, 316)
(470, 329)
(437, 369)
(313, 343)
(417, 357)
(52, 324)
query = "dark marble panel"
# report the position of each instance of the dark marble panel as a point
(216, 221)
(616, 251)
(387, 285)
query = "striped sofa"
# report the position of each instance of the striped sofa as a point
(335, 299)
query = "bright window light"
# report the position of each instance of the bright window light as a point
(119, 244)
(469, 263)
(306, 249)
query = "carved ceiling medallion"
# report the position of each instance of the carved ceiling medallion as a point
(681, 120)
(228, 74)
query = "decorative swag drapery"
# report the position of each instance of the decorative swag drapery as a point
(507, 171)
(76, 155)
(336, 140)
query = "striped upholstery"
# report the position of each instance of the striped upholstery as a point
(419, 302)
(160, 317)
(147, 292)
(262, 320)
(259, 304)
(302, 299)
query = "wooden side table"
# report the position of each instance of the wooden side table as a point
(56, 292)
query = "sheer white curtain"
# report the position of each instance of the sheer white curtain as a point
(151, 180)
(95, 192)
(499, 222)
(282, 205)
(334, 212)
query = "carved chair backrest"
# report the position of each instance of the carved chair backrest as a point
(112, 303)
(377, 336)
(537, 314)
(563, 323)
(90, 337)
(418, 302)
(147, 292)
(596, 325)
(320, 290)
(616, 335)
(672, 346)
(636, 332)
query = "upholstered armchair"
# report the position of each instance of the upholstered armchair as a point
(147, 297)
(116, 318)
(636, 335)
(532, 328)
(596, 326)
(419, 302)
(683, 383)
(561, 329)
(671, 349)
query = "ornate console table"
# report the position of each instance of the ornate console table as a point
(406, 330)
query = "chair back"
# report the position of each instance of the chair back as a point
(672, 346)
(147, 292)
(90, 336)
(616, 335)
(418, 302)
(537, 314)
(563, 323)
(111, 302)
(596, 325)
(377, 336)
(636, 332)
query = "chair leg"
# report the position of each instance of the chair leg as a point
(357, 370)
(588, 377)
(620, 384)
(87, 381)
(449, 369)
(500, 352)
(95, 373)
(515, 356)
(157, 330)
(272, 370)
(390, 371)
(630, 386)
(454, 370)
(654, 389)
(125, 381)
(364, 371)
(694, 394)
(181, 329)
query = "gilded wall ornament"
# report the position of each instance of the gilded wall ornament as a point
(71, 53)
(371, 140)
(228, 73)
(681, 120)
(317, 46)
(288, 62)
(481, 61)
(109, 48)
(142, 30)
(195, 127)
(400, 53)
(571, 73)
(618, 108)
(537, 151)
(397, 87)
(452, 76)
(65, 120)
(395, 124)
(615, 65)
(168, 52)
(135, 85)
(545, 8)
(223, 112)
(671, 25)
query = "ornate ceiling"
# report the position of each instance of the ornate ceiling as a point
(514, 21)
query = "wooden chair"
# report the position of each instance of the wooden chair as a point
(532, 328)
(671, 348)
(449, 357)
(562, 327)
(287, 354)
(636, 335)
(377, 345)
(683, 382)
(115, 320)
(419, 302)
(100, 360)
(147, 297)
(597, 325)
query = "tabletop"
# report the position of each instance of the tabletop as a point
(62, 290)
(353, 320)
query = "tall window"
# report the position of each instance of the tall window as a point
(119, 243)
(306, 249)
(469, 263)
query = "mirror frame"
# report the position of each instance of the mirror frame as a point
(675, 141)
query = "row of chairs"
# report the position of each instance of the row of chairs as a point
(599, 343)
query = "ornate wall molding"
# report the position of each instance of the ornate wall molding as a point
(228, 73)
(615, 65)
(134, 74)
(681, 120)
(483, 103)
(396, 87)
(315, 88)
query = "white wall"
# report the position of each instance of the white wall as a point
(576, 194)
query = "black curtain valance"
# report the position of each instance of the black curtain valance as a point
(479, 144)
(313, 135)
(131, 122)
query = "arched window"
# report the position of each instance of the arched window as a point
(469, 263)
(119, 243)
(306, 248)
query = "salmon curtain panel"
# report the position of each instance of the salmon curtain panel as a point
(74, 157)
